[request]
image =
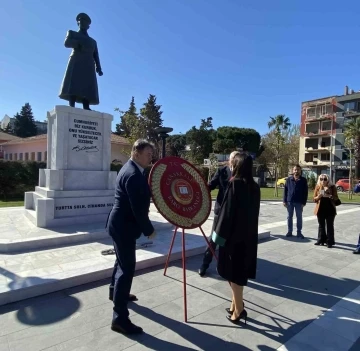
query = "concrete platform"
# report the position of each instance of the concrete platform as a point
(30, 265)
(304, 297)
(19, 234)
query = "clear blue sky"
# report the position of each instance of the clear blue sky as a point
(239, 61)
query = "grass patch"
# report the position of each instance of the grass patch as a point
(11, 203)
(268, 194)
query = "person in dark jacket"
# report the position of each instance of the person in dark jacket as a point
(295, 198)
(325, 197)
(220, 180)
(129, 218)
(236, 232)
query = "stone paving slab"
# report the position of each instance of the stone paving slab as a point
(79, 318)
(40, 273)
(297, 283)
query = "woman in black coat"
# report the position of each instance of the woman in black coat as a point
(236, 232)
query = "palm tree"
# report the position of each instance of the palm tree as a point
(278, 125)
(352, 140)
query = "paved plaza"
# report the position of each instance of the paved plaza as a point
(304, 298)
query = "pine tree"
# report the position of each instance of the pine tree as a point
(8, 129)
(24, 125)
(123, 127)
(151, 115)
(131, 125)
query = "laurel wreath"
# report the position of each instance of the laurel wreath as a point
(181, 221)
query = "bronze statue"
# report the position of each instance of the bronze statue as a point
(79, 83)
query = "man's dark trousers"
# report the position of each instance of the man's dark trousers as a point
(125, 250)
(208, 254)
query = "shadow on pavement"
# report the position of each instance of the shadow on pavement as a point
(200, 339)
(36, 314)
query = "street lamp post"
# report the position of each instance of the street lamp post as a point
(350, 185)
(331, 149)
(163, 134)
(350, 144)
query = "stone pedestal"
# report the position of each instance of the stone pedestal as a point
(77, 186)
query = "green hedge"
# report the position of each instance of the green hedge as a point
(17, 177)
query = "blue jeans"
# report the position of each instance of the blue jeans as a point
(298, 210)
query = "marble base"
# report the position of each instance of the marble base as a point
(78, 186)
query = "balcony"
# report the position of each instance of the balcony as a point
(319, 117)
(317, 133)
(351, 113)
(318, 148)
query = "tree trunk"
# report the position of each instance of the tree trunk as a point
(357, 169)
(276, 179)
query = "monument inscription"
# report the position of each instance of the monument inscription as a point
(85, 132)
(82, 206)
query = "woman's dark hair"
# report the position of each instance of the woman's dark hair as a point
(242, 165)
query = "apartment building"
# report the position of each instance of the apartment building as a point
(40, 126)
(322, 138)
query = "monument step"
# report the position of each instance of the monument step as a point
(45, 192)
(41, 238)
(27, 275)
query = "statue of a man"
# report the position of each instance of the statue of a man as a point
(79, 83)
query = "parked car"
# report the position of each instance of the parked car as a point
(281, 182)
(343, 184)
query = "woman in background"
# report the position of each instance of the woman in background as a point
(325, 196)
(236, 232)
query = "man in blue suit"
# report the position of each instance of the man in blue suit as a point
(129, 218)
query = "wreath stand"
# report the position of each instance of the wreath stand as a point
(184, 261)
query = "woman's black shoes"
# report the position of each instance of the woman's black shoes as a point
(243, 315)
(228, 310)
(319, 243)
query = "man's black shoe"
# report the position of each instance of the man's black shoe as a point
(127, 328)
(289, 234)
(131, 296)
(202, 270)
(356, 252)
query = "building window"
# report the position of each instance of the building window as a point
(312, 128)
(38, 157)
(20, 156)
(325, 142)
(15, 157)
(309, 157)
(26, 156)
(325, 126)
(45, 156)
(6, 156)
(345, 156)
(326, 109)
(349, 106)
(313, 143)
(10, 157)
(32, 156)
(325, 156)
(311, 112)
